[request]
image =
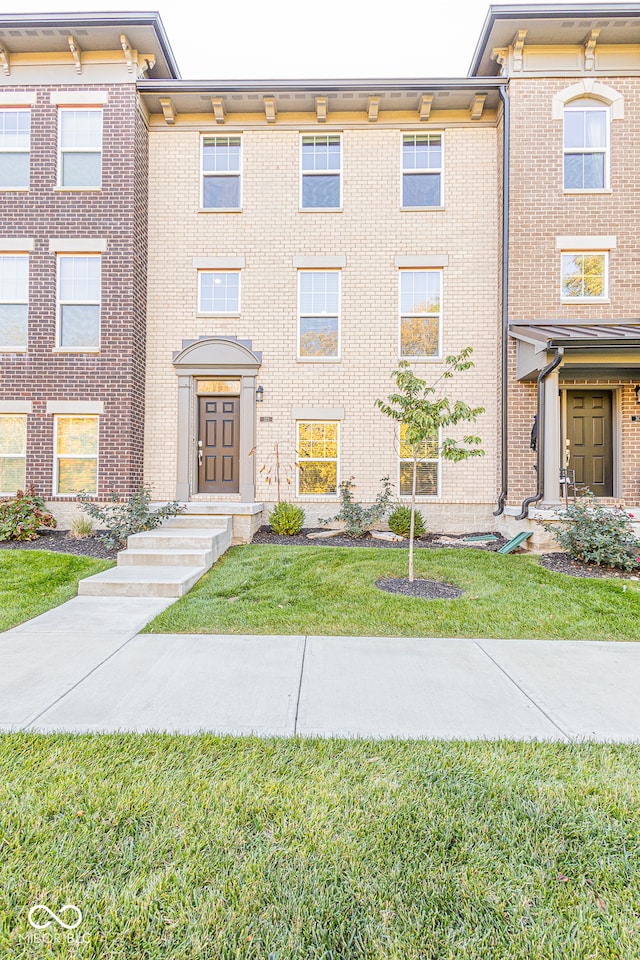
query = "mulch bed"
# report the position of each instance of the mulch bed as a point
(58, 542)
(429, 542)
(562, 563)
(425, 589)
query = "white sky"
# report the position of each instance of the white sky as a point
(290, 39)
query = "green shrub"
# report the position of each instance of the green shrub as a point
(122, 518)
(400, 522)
(595, 534)
(23, 515)
(356, 518)
(286, 519)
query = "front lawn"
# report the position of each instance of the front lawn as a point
(247, 849)
(33, 581)
(332, 591)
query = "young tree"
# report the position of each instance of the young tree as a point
(423, 412)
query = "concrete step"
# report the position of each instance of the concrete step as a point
(175, 538)
(175, 558)
(201, 521)
(143, 581)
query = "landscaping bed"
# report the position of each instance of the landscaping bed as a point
(58, 541)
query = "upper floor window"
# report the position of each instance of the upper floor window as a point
(14, 300)
(319, 314)
(13, 450)
(420, 313)
(79, 294)
(321, 162)
(80, 146)
(221, 173)
(584, 276)
(586, 145)
(15, 145)
(422, 170)
(219, 292)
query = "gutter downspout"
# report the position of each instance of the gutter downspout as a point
(542, 376)
(504, 469)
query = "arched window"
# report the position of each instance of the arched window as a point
(586, 145)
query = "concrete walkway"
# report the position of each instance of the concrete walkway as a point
(85, 667)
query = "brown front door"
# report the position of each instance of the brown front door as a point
(590, 446)
(218, 445)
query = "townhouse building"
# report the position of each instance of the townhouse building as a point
(206, 285)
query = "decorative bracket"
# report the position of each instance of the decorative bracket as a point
(322, 104)
(518, 47)
(477, 105)
(590, 50)
(501, 56)
(270, 109)
(426, 100)
(5, 60)
(126, 49)
(168, 109)
(75, 53)
(373, 108)
(218, 109)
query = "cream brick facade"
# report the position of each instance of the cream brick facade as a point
(370, 232)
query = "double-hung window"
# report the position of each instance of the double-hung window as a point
(586, 145)
(221, 173)
(425, 456)
(80, 148)
(219, 291)
(317, 450)
(321, 174)
(76, 457)
(15, 147)
(420, 313)
(14, 301)
(13, 450)
(318, 314)
(584, 276)
(79, 294)
(422, 170)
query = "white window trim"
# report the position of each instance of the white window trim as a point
(57, 457)
(62, 150)
(435, 357)
(440, 169)
(421, 499)
(18, 348)
(316, 173)
(219, 313)
(318, 496)
(17, 109)
(6, 456)
(585, 253)
(59, 348)
(601, 106)
(338, 357)
(221, 173)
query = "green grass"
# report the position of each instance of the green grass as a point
(247, 849)
(332, 591)
(32, 581)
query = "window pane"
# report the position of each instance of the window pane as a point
(321, 191)
(318, 478)
(81, 129)
(80, 278)
(419, 337)
(221, 192)
(421, 190)
(77, 435)
(319, 292)
(595, 128)
(573, 172)
(221, 153)
(15, 129)
(419, 292)
(583, 275)
(593, 171)
(421, 152)
(427, 449)
(426, 479)
(12, 474)
(13, 435)
(13, 324)
(80, 325)
(14, 169)
(321, 153)
(81, 169)
(219, 292)
(14, 278)
(318, 336)
(574, 128)
(77, 476)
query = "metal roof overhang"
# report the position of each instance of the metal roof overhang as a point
(607, 345)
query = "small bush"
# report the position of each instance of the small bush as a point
(23, 515)
(286, 519)
(595, 534)
(356, 518)
(122, 518)
(81, 528)
(400, 522)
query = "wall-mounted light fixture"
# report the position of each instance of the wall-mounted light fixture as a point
(260, 394)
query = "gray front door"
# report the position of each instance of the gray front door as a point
(218, 445)
(590, 439)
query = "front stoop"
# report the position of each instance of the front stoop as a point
(165, 562)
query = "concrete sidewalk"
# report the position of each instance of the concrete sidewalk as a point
(85, 667)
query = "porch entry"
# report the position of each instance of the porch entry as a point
(589, 439)
(218, 436)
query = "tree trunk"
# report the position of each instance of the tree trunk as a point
(412, 525)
